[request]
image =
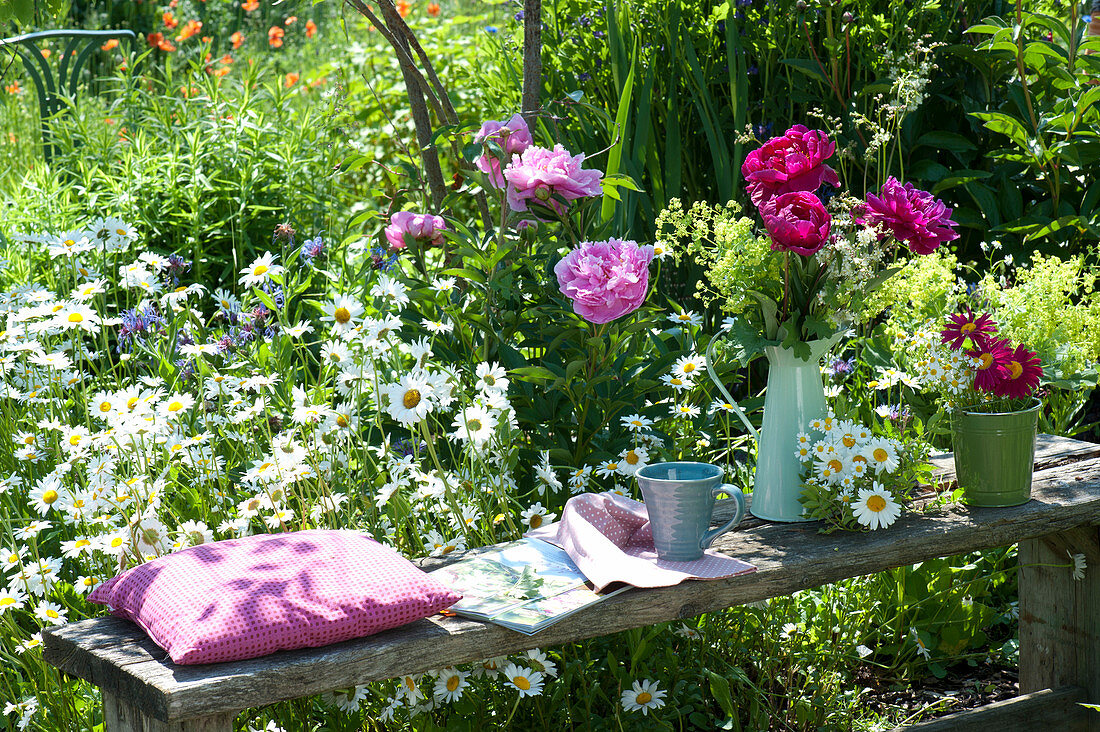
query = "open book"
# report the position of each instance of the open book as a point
(525, 585)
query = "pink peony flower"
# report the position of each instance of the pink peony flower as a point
(913, 216)
(793, 162)
(1023, 370)
(797, 222)
(513, 137)
(422, 227)
(605, 279)
(538, 173)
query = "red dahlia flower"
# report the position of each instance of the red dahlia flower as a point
(913, 216)
(1022, 373)
(793, 162)
(993, 357)
(967, 325)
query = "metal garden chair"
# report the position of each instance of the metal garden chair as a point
(57, 90)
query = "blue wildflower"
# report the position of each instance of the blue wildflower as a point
(491, 29)
(312, 249)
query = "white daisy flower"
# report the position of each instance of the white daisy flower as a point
(260, 271)
(410, 399)
(643, 696)
(689, 366)
(524, 680)
(474, 425)
(450, 685)
(636, 422)
(677, 382)
(342, 313)
(883, 455)
(491, 378)
(537, 516)
(686, 318)
(633, 460)
(875, 507)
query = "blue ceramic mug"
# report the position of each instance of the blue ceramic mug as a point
(680, 500)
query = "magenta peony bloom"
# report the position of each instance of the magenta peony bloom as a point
(1022, 374)
(422, 227)
(793, 162)
(797, 222)
(913, 216)
(605, 279)
(967, 325)
(513, 137)
(538, 173)
(992, 367)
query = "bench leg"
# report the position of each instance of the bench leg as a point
(1060, 617)
(122, 717)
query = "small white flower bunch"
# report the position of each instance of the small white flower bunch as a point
(854, 478)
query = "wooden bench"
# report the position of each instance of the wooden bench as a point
(1059, 648)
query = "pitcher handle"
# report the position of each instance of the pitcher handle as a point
(729, 399)
(736, 495)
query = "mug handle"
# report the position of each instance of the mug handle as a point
(736, 495)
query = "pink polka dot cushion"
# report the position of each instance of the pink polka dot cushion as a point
(248, 597)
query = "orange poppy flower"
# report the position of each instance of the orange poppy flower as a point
(226, 59)
(275, 36)
(250, 5)
(291, 79)
(111, 43)
(190, 28)
(290, 20)
(404, 7)
(237, 39)
(46, 53)
(313, 83)
(220, 72)
(311, 29)
(433, 10)
(12, 88)
(170, 21)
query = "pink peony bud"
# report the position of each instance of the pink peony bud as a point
(911, 215)
(605, 279)
(797, 222)
(513, 137)
(538, 173)
(793, 162)
(422, 227)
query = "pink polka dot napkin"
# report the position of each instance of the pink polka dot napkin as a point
(608, 537)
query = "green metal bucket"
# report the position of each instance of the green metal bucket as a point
(995, 455)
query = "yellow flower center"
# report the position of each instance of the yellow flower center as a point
(986, 361)
(259, 270)
(880, 455)
(28, 440)
(76, 318)
(676, 381)
(13, 558)
(342, 315)
(51, 613)
(522, 682)
(684, 317)
(81, 543)
(1015, 369)
(452, 683)
(412, 398)
(104, 406)
(536, 521)
(632, 458)
(120, 232)
(49, 497)
(341, 420)
(876, 503)
(175, 406)
(131, 402)
(836, 465)
(74, 440)
(645, 697)
(688, 368)
(848, 441)
(116, 542)
(6, 601)
(475, 425)
(968, 328)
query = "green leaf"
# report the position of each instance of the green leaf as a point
(946, 141)
(768, 309)
(960, 177)
(720, 688)
(622, 116)
(806, 66)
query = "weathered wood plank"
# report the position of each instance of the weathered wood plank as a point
(1059, 638)
(788, 557)
(122, 717)
(1049, 709)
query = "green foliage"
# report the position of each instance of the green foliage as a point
(925, 287)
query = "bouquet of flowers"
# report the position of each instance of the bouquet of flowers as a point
(854, 478)
(972, 369)
(825, 251)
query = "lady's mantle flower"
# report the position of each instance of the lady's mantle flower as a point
(538, 174)
(605, 279)
(513, 137)
(913, 216)
(423, 228)
(793, 162)
(875, 507)
(643, 695)
(797, 222)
